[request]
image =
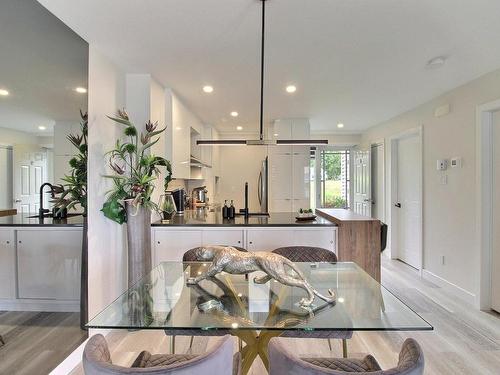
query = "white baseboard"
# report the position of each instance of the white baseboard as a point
(39, 305)
(453, 289)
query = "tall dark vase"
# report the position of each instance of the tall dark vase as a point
(84, 303)
(139, 242)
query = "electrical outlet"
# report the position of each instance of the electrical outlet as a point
(442, 260)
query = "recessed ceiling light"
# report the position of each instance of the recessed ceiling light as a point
(234, 114)
(276, 134)
(291, 89)
(81, 90)
(436, 62)
(4, 92)
(41, 127)
(340, 125)
(239, 128)
(208, 89)
(178, 128)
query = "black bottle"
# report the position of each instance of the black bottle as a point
(231, 211)
(225, 210)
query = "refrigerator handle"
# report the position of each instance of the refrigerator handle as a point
(259, 190)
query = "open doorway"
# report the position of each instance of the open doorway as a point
(406, 197)
(332, 178)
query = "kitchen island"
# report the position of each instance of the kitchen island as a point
(255, 233)
(351, 236)
(40, 263)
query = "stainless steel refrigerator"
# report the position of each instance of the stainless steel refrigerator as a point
(263, 186)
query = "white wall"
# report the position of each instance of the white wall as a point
(107, 255)
(448, 210)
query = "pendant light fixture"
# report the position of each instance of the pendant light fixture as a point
(261, 141)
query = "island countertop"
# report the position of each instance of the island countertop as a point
(203, 217)
(24, 220)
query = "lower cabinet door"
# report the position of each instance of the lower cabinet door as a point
(7, 264)
(170, 245)
(316, 237)
(223, 237)
(49, 263)
(268, 239)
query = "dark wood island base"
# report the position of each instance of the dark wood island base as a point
(359, 238)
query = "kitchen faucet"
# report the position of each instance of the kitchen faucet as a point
(42, 211)
(246, 211)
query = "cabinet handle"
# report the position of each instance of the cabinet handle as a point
(331, 241)
(158, 242)
(8, 242)
(239, 241)
(20, 242)
(250, 242)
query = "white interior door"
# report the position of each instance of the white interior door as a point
(408, 203)
(377, 185)
(362, 183)
(495, 241)
(30, 172)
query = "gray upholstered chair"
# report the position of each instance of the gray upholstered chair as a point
(314, 254)
(284, 362)
(190, 256)
(218, 360)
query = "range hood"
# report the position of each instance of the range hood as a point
(261, 141)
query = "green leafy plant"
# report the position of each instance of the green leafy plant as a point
(134, 169)
(168, 206)
(74, 189)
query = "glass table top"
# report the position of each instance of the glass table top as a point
(163, 300)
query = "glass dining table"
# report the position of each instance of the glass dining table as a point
(257, 312)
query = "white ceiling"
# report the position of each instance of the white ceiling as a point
(354, 61)
(41, 63)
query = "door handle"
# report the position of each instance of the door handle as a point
(17, 201)
(398, 205)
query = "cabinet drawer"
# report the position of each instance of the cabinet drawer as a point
(170, 245)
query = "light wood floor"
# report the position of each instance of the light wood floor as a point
(465, 340)
(36, 342)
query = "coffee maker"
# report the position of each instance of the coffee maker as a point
(179, 196)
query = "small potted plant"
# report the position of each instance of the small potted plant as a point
(167, 206)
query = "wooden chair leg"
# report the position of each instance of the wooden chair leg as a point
(330, 344)
(2, 343)
(191, 343)
(240, 344)
(344, 348)
(172, 344)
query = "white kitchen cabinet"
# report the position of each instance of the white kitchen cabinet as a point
(281, 170)
(316, 237)
(217, 236)
(170, 245)
(297, 204)
(7, 264)
(49, 263)
(268, 239)
(290, 179)
(301, 174)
